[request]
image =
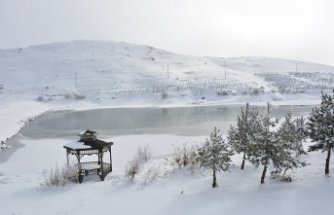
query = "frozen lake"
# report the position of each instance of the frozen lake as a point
(190, 121)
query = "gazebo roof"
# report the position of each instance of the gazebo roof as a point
(88, 131)
(88, 135)
(77, 146)
(96, 143)
(87, 145)
(88, 141)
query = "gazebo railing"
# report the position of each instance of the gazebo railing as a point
(86, 167)
(93, 165)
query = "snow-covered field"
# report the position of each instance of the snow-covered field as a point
(87, 74)
(173, 192)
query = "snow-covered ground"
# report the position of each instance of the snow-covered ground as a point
(173, 192)
(87, 74)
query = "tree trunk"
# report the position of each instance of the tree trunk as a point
(214, 182)
(286, 169)
(263, 174)
(243, 162)
(327, 161)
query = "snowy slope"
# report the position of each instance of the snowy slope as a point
(115, 72)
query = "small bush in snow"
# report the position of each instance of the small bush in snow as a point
(185, 156)
(144, 153)
(276, 175)
(59, 177)
(79, 97)
(151, 175)
(3, 145)
(222, 93)
(67, 96)
(40, 99)
(132, 168)
(164, 95)
(254, 92)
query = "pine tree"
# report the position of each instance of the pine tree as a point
(320, 128)
(215, 154)
(266, 148)
(291, 136)
(239, 137)
(301, 128)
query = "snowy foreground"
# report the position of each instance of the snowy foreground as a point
(172, 192)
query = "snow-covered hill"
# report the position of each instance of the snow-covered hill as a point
(122, 73)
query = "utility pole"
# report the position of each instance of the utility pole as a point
(167, 70)
(225, 67)
(76, 80)
(296, 67)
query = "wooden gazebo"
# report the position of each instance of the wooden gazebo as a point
(88, 144)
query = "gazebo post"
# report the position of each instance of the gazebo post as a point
(67, 158)
(99, 158)
(79, 158)
(79, 166)
(110, 159)
(102, 171)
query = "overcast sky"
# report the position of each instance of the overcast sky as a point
(296, 29)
